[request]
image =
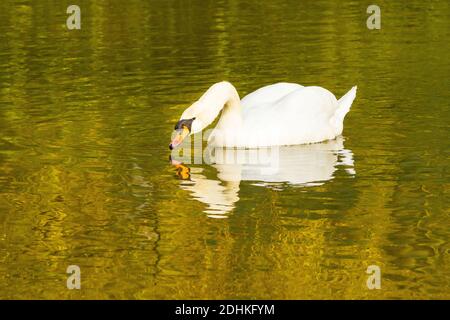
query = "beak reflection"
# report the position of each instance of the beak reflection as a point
(183, 172)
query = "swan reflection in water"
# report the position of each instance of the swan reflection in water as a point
(300, 165)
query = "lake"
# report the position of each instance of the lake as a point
(86, 117)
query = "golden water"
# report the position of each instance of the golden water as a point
(86, 117)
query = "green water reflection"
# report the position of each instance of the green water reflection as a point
(86, 118)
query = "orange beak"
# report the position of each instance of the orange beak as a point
(180, 135)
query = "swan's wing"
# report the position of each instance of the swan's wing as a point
(302, 104)
(268, 94)
(309, 101)
(302, 116)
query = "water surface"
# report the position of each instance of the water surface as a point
(86, 118)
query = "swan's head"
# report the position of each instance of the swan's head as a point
(183, 128)
(191, 122)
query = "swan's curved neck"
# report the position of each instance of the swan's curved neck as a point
(222, 95)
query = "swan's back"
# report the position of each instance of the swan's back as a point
(268, 94)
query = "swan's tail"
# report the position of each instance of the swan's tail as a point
(344, 107)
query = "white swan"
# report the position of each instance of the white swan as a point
(278, 114)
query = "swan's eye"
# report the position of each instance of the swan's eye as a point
(184, 123)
